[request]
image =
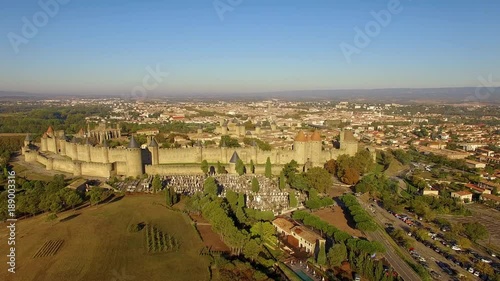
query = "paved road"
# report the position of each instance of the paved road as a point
(404, 270)
(392, 257)
(430, 255)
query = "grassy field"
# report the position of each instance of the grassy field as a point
(97, 245)
(336, 217)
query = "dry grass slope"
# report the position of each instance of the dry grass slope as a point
(98, 246)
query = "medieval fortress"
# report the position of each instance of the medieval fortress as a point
(57, 152)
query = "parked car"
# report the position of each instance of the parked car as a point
(486, 260)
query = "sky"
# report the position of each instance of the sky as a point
(245, 46)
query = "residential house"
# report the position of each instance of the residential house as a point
(464, 195)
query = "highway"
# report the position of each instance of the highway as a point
(403, 269)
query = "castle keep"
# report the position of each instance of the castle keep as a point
(56, 152)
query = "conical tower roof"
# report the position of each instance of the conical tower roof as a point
(50, 130)
(234, 158)
(153, 143)
(133, 143)
(316, 136)
(300, 137)
(348, 136)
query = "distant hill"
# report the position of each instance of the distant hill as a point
(399, 95)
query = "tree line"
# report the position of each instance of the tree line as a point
(34, 197)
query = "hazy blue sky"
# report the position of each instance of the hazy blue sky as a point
(103, 46)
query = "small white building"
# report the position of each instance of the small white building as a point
(463, 195)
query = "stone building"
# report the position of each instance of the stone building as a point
(56, 152)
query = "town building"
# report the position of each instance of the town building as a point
(464, 195)
(298, 236)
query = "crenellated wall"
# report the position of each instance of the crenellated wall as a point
(184, 155)
(106, 162)
(97, 169)
(63, 165)
(173, 169)
(117, 155)
(99, 154)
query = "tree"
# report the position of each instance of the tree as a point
(385, 159)
(173, 195)
(351, 176)
(251, 249)
(204, 166)
(156, 184)
(362, 161)
(344, 162)
(240, 167)
(252, 167)
(290, 169)
(475, 231)
(300, 182)
(255, 185)
(210, 187)
(95, 195)
(264, 230)
(220, 168)
(484, 268)
(268, 168)
(337, 254)
(464, 243)
(402, 156)
(331, 166)
(27, 203)
(168, 197)
(421, 234)
(319, 179)
(321, 259)
(292, 200)
(282, 181)
(72, 199)
(229, 142)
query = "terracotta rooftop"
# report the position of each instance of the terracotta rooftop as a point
(462, 193)
(348, 136)
(474, 187)
(284, 224)
(300, 136)
(306, 234)
(491, 197)
(316, 136)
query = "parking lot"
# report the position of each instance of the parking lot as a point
(140, 185)
(441, 267)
